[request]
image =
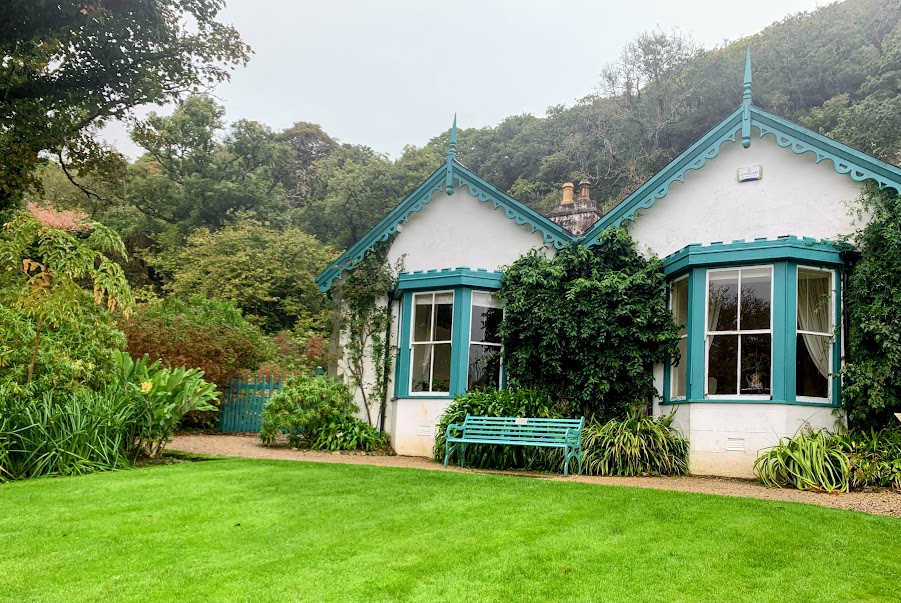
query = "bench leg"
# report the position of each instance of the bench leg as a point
(566, 461)
(447, 450)
(462, 454)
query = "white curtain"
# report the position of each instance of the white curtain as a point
(813, 315)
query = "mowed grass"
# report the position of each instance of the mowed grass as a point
(250, 530)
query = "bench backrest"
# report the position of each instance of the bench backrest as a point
(503, 429)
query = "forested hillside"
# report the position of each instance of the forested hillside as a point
(245, 213)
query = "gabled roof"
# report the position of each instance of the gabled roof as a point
(443, 179)
(859, 166)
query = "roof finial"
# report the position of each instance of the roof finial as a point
(746, 103)
(451, 152)
(746, 96)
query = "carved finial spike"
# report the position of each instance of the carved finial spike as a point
(451, 152)
(746, 95)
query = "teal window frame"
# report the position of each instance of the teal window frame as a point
(785, 255)
(462, 282)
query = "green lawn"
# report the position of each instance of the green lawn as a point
(241, 530)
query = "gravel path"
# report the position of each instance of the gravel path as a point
(247, 446)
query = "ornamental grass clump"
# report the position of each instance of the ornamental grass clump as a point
(812, 460)
(636, 445)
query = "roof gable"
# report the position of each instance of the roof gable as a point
(845, 160)
(447, 178)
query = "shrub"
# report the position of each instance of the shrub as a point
(198, 332)
(501, 403)
(74, 356)
(161, 398)
(57, 288)
(348, 433)
(871, 391)
(812, 460)
(874, 458)
(317, 411)
(636, 445)
(587, 324)
(65, 433)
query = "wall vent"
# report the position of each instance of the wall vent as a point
(735, 444)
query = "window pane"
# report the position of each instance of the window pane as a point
(813, 353)
(421, 369)
(444, 316)
(441, 372)
(484, 367)
(679, 373)
(722, 365)
(722, 301)
(755, 299)
(485, 324)
(422, 318)
(755, 364)
(814, 307)
(679, 304)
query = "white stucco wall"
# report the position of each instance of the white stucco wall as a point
(726, 439)
(459, 230)
(796, 196)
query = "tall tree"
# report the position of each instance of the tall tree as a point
(70, 65)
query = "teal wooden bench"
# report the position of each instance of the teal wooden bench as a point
(511, 431)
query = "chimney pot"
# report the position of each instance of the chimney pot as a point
(584, 191)
(567, 193)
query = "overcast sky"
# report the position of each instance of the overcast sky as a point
(388, 73)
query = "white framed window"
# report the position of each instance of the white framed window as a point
(739, 336)
(430, 343)
(816, 333)
(679, 308)
(485, 368)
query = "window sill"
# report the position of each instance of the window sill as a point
(822, 404)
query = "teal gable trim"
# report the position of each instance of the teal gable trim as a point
(759, 250)
(856, 164)
(693, 158)
(384, 230)
(552, 234)
(845, 160)
(449, 278)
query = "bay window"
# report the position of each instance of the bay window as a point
(758, 322)
(448, 333)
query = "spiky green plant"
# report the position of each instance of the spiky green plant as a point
(636, 445)
(812, 460)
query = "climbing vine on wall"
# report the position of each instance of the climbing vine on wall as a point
(871, 389)
(364, 323)
(587, 325)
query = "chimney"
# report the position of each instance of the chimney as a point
(584, 191)
(567, 193)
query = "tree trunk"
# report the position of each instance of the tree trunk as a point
(37, 343)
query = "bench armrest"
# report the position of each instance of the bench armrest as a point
(447, 433)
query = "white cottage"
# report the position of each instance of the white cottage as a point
(745, 221)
